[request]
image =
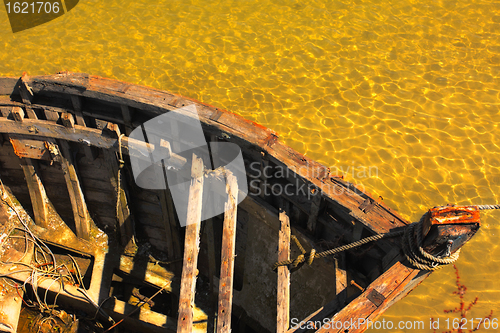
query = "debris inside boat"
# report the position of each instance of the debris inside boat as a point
(115, 218)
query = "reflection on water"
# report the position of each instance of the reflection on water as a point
(409, 87)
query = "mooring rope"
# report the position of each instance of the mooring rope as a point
(412, 248)
(485, 207)
(415, 253)
(313, 255)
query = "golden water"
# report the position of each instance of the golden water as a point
(409, 87)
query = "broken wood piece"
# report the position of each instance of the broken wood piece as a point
(68, 120)
(78, 204)
(25, 90)
(191, 248)
(227, 256)
(36, 190)
(18, 114)
(283, 271)
(30, 112)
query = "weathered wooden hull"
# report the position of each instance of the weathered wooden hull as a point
(90, 113)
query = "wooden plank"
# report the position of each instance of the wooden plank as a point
(227, 256)
(78, 204)
(37, 191)
(191, 248)
(389, 287)
(86, 135)
(283, 319)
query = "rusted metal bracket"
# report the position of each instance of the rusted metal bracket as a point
(376, 298)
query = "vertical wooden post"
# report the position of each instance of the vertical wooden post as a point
(283, 272)
(191, 248)
(80, 211)
(36, 190)
(227, 256)
(127, 118)
(313, 216)
(170, 225)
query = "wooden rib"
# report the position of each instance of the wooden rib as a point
(283, 271)
(191, 248)
(77, 102)
(80, 212)
(314, 212)
(124, 218)
(227, 256)
(167, 224)
(89, 136)
(36, 190)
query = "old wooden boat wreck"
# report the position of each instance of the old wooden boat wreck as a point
(84, 246)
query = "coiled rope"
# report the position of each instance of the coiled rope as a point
(412, 248)
(415, 253)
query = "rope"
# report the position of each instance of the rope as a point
(416, 255)
(313, 255)
(118, 176)
(485, 207)
(412, 248)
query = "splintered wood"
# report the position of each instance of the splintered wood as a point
(191, 248)
(283, 272)
(227, 256)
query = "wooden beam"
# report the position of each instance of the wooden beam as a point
(227, 256)
(283, 318)
(86, 135)
(388, 288)
(80, 212)
(36, 190)
(191, 248)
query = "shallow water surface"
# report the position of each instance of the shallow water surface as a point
(407, 89)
